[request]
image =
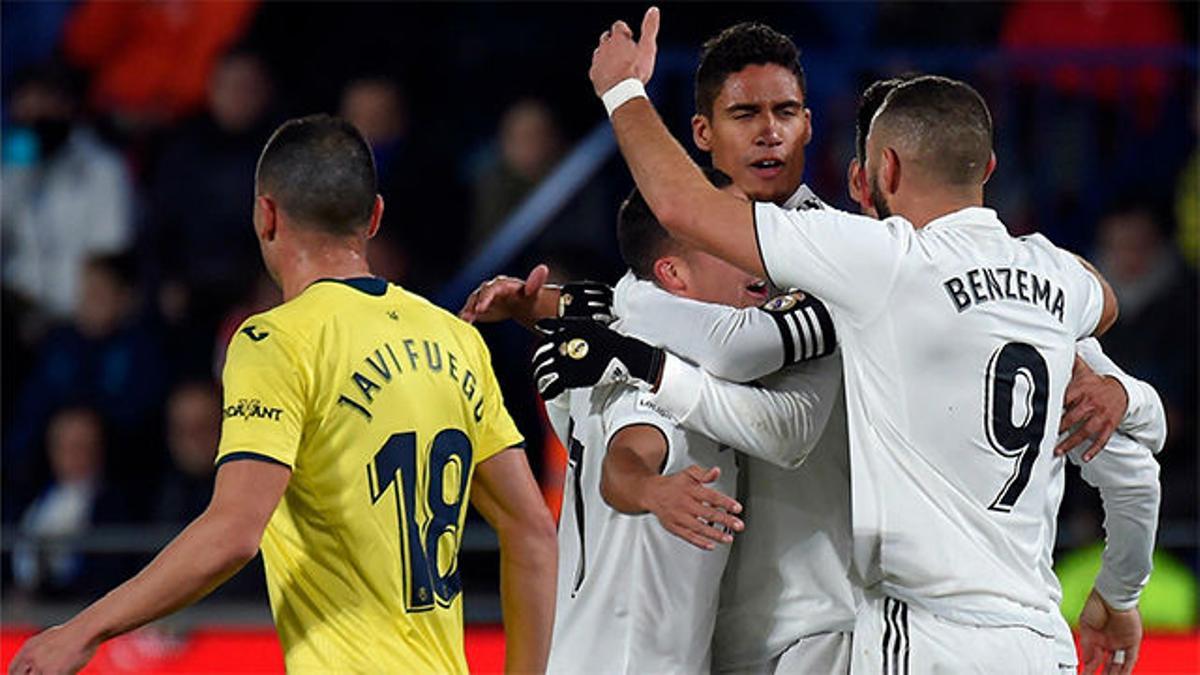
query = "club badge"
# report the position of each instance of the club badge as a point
(783, 303)
(575, 348)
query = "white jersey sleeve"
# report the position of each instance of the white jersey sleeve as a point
(1126, 474)
(779, 422)
(847, 260)
(740, 345)
(1145, 420)
(558, 411)
(1082, 317)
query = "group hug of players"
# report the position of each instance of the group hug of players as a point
(860, 476)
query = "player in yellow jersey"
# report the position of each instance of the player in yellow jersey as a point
(359, 418)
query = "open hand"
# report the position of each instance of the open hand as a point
(699, 515)
(505, 297)
(618, 57)
(1093, 407)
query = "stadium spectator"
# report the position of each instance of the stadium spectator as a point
(193, 430)
(376, 106)
(107, 358)
(150, 61)
(66, 197)
(76, 499)
(410, 176)
(1155, 336)
(200, 203)
(530, 145)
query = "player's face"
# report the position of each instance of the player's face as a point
(758, 131)
(710, 279)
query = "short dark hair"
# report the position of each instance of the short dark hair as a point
(736, 47)
(947, 124)
(868, 104)
(641, 238)
(320, 170)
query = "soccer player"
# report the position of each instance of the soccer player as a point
(787, 602)
(933, 306)
(1125, 473)
(358, 421)
(633, 598)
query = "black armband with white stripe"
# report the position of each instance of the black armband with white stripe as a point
(804, 326)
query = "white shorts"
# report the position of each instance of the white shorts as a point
(894, 638)
(817, 654)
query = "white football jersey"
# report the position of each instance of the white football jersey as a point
(958, 342)
(632, 598)
(788, 575)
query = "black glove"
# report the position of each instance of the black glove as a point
(580, 353)
(586, 300)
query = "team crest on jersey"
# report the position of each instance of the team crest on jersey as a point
(783, 303)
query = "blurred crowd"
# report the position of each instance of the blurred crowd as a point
(131, 132)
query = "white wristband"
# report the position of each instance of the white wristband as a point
(621, 93)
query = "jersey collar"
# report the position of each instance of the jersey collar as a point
(369, 285)
(973, 216)
(803, 198)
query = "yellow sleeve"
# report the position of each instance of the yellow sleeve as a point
(494, 428)
(264, 395)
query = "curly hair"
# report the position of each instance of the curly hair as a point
(735, 48)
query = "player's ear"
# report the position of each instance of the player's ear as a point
(807, 125)
(991, 167)
(670, 273)
(266, 218)
(702, 132)
(376, 217)
(854, 182)
(889, 171)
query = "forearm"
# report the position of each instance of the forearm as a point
(198, 560)
(527, 589)
(780, 424)
(1131, 517)
(686, 204)
(625, 481)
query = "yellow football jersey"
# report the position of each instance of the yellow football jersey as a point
(382, 404)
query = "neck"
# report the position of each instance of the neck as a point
(307, 265)
(926, 206)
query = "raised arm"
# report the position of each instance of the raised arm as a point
(206, 553)
(506, 494)
(686, 204)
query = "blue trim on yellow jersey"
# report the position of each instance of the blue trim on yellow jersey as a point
(368, 285)
(244, 454)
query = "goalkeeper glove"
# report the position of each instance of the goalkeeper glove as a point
(578, 353)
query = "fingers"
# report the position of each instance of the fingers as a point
(650, 23)
(1074, 414)
(692, 537)
(536, 279)
(1077, 437)
(1100, 439)
(621, 28)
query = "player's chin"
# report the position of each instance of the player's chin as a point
(776, 189)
